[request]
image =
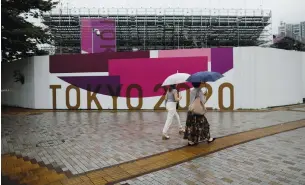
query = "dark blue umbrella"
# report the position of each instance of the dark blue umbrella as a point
(204, 76)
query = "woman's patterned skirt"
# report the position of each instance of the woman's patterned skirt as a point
(197, 128)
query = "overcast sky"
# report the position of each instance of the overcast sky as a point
(291, 11)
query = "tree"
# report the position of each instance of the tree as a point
(18, 36)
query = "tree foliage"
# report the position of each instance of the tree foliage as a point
(18, 36)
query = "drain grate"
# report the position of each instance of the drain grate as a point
(50, 143)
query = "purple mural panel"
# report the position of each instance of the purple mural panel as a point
(104, 42)
(107, 85)
(222, 59)
(97, 62)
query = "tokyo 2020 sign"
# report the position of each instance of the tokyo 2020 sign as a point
(132, 80)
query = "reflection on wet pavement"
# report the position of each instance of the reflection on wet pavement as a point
(84, 141)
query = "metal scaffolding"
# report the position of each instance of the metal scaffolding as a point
(160, 29)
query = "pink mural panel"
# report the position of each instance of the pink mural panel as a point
(86, 35)
(148, 72)
(185, 53)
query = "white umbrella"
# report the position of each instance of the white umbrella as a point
(177, 78)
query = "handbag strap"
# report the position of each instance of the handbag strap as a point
(197, 93)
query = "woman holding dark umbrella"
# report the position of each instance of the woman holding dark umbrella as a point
(197, 127)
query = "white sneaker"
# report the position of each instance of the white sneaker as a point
(165, 137)
(211, 140)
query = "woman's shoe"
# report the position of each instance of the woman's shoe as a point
(165, 137)
(181, 131)
(192, 144)
(211, 140)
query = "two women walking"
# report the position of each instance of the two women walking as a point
(197, 128)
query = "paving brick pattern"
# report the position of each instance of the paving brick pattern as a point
(274, 160)
(85, 141)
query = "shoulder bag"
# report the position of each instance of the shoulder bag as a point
(196, 107)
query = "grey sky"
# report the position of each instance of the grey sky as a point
(292, 11)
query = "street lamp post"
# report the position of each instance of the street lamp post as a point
(97, 32)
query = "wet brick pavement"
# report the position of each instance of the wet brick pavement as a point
(298, 109)
(85, 141)
(274, 160)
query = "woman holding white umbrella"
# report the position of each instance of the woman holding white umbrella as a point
(171, 100)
